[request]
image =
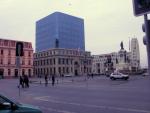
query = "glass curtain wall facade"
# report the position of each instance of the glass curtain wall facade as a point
(60, 30)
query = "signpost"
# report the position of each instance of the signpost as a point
(19, 53)
(142, 7)
(19, 49)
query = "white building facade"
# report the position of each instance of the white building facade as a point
(135, 54)
(60, 62)
(121, 60)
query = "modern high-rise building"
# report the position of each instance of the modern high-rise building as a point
(59, 30)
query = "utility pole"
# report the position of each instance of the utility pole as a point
(19, 53)
(147, 31)
(142, 7)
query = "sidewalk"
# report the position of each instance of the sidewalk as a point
(60, 80)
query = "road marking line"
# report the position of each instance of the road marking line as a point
(56, 110)
(44, 98)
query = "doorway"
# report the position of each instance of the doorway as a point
(1, 73)
(16, 72)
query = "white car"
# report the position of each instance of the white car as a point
(68, 75)
(145, 74)
(117, 75)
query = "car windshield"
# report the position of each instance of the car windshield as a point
(4, 99)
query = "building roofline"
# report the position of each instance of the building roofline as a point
(14, 40)
(61, 49)
(59, 13)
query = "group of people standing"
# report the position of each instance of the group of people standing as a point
(24, 81)
(46, 80)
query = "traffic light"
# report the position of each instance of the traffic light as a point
(19, 49)
(144, 37)
(144, 40)
(141, 7)
(144, 30)
(143, 4)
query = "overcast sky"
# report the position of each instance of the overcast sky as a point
(107, 22)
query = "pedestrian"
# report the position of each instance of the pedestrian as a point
(26, 81)
(21, 80)
(46, 80)
(53, 80)
(92, 75)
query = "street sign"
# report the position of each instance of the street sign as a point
(19, 49)
(141, 7)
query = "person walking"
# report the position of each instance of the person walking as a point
(46, 80)
(92, 75)
(21, 80)
(26, 81)
(53, 80)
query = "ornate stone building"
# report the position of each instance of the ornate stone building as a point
(8, 66)
(62, 61)
(121, 60)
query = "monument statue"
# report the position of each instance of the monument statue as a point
(56, 43)
(121, 45)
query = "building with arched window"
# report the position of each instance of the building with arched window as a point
(8, 67)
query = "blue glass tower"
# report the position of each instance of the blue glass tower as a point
(59, 30)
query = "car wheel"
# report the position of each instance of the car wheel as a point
(112, 78)
(126, 78)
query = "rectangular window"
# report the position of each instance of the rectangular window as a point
(50, 61)
(9, 71)
(25, 45)
(9, 61)
(23, 62)
(9, 52)
(1, 61)
(29, 54)
(59, 70)
(63, 61)
(29, 62)
(67, 61)
(47, 62)
(13, 43)
(5, 42)
(2, 52)
(43, 62)
(63, 69)
(54, 60)
(59, 61)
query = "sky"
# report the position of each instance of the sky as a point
(107, 22)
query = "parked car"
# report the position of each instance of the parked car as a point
(9, 106)
(118, 75)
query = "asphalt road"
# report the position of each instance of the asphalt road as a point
(97, 95)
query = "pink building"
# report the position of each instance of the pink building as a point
(8, 67)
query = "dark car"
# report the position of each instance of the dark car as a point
(8, 106)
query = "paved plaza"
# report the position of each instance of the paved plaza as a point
(82, 95)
